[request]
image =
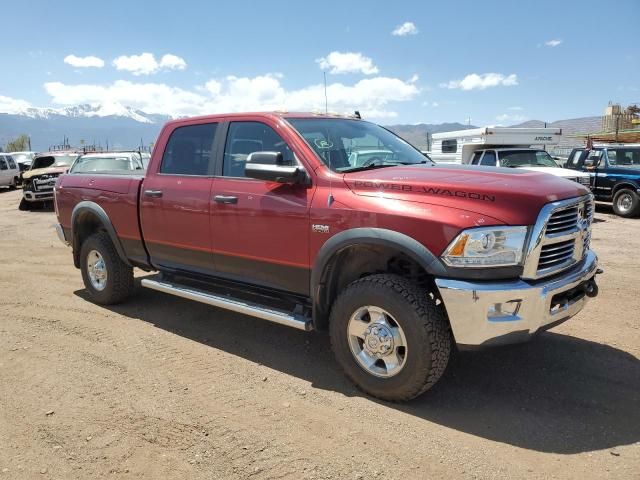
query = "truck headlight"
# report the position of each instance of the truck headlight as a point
(487, 247)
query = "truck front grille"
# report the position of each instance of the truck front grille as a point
(561, 237)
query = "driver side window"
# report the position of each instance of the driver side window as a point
(489, 158)
(245, 138)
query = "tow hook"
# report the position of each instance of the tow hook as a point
(591, 289)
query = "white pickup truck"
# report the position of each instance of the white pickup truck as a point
(503, 147)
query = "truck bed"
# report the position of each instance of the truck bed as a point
(118, 195)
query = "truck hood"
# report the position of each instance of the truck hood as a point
(558, 172)
(60, 169)
(513, 196)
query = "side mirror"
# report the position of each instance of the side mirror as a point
(269, 166)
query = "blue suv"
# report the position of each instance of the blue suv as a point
(615, 175)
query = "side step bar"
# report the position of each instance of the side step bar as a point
(254, 310)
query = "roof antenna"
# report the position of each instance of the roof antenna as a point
(326, 103)
(326, 111)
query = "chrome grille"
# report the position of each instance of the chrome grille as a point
(556, 254)
(560, 237)
(563, 221)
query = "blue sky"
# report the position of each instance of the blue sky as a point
(497, 62)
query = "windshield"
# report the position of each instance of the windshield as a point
(22, 157)
(53, 161)
(527, 158)
(348, 145)
(107, 163)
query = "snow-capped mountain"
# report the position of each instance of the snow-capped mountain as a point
(101, 124)
(87, 111)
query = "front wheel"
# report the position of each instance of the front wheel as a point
(390, 337)
(107, 278)
(626, 203)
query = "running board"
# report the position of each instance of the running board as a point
(254, 310)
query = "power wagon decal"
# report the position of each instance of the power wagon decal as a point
(424, 189)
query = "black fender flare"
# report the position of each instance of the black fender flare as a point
(365, 236)
(95, 209)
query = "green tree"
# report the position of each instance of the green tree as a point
(20, 144)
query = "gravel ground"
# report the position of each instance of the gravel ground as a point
(161, 387)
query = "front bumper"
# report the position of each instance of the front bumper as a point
(498, 313)
(33, 196)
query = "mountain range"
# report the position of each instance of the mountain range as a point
(120, 127)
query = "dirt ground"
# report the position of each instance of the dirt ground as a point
(161, 387)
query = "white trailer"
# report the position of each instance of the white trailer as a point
(458, 146)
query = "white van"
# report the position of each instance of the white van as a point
(9, 171)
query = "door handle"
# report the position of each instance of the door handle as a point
(153, 193)
(226, 199)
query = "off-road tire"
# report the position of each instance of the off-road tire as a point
(424, 324)
(119, 283)
(635, 203)
(24, 205)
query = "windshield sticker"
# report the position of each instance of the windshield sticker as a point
(323, 144)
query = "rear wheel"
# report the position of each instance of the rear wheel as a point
(107, 278)
(13, 184)
(390, 337)
(626, 203)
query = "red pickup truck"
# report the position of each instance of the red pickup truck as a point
(327, 222)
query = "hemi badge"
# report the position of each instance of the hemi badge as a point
(316, 228)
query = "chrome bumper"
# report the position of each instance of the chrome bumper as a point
(60, 233)
(496, 313)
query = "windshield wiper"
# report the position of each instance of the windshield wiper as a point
(391, 163)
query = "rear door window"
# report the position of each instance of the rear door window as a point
(188, 151)
(12, 164)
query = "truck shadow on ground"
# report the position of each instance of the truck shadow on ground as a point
(557, 394)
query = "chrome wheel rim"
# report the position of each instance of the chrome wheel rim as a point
(624, 202)
(377, 341)
(97, 270)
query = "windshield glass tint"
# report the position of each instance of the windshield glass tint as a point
(344, 145)
(527, 158)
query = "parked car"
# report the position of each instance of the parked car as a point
(9, 171)
(615, 174)
(108, 162)
(263, 214)
(528, 159)
(23, 159)
(38, 181)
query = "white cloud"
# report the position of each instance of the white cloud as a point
(553, 43)
(347, 62)
(407, 28)
(371, 96)
(505, 117)
(474, 81)
(515, 109)
(172, 62)
(146, 63)
(12, 105)
(84, 62)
